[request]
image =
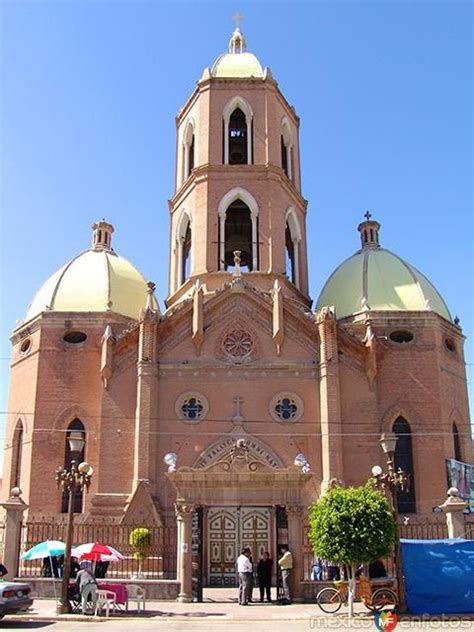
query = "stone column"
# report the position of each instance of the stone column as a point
(295, 536)
(14, 508)
(453, 507)
(184, 518)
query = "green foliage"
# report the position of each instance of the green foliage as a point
(352, 525)
(140, 539)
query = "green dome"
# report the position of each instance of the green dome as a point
(378, 280)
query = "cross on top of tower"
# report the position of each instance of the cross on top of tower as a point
(368, 215)
(237, 19)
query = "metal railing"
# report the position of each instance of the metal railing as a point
(159, 564)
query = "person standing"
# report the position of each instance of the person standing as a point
(264, 573)
(87, 585)
(286, 564)
(244, 568)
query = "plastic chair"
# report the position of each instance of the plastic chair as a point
(135, 591)
(105, 601)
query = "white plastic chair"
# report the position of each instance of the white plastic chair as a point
(105, 601)
(134, 591)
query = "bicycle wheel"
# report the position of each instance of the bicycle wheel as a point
(329, 600)
(383, 598)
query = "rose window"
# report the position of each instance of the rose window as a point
(286, 409)
(192, 408)
(238, 344)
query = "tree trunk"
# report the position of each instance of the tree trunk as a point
(351, 569)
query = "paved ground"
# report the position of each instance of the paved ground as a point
(218, 612)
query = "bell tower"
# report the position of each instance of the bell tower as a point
(238, 185)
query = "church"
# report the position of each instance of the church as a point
(241, 396)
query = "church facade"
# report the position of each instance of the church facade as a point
(256, 400)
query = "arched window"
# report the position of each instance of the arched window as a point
(74, 426)
(238, 132)
(237, 138)
(17, 449)
(406, 500)
(457, 443)
(238, 230)
(286, 142)
(238, 236)
(183, 248)
(292, 241)
(188, 150)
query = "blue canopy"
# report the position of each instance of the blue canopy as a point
(439, 575)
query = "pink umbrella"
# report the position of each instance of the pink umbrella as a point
(96, 552)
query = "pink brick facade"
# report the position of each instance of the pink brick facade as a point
(345, 392)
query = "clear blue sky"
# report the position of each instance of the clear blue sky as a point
(89, 92)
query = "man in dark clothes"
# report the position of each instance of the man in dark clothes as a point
(264, 572)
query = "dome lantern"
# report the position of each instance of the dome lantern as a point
(369, 232)
(237, 43)
(102, 235)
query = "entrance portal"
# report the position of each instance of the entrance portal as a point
(229, 530)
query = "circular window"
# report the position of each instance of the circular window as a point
(74, 337)
(450, 345)
(401, 337)
(25, 345)
(192, 407)
(286, 407)
(238, 344)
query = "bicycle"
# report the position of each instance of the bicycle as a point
(330, 599)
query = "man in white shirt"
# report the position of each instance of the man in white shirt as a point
(244, 568)
(286, 565)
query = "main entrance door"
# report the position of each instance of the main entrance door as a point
(230, 529)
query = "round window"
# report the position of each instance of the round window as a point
(286, 407)
(74, 337)
(401, 337)
(191, 407)
(25, 345)
(450, 345)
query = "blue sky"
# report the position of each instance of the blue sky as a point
(89, 91)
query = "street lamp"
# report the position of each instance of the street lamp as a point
(77, 477)
(393, 481)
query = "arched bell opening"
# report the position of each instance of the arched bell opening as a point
(238, 230)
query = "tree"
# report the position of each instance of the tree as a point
(140, 539)
(352, 526)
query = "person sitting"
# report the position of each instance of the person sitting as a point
(101, 569)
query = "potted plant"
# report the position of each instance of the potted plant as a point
(140, 540)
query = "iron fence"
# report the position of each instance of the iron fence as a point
(159, 564)
(469, 529)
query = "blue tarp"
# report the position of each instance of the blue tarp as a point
(439, 575)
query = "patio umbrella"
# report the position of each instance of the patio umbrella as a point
(97, 552)
(49, 548)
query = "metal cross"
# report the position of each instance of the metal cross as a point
(367, 215)
(238, 19)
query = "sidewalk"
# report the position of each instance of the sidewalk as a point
(226, 608)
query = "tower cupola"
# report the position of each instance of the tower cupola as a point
(102, 235)
(369, 232)
(237, 43)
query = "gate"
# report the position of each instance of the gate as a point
(230, 529)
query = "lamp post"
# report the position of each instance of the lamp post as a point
(77, 477)
(393, 481)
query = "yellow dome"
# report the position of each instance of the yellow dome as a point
(376, 279)
(97, 280)
(242, 65)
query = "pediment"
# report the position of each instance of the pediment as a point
(246, 315)
(238, 453)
